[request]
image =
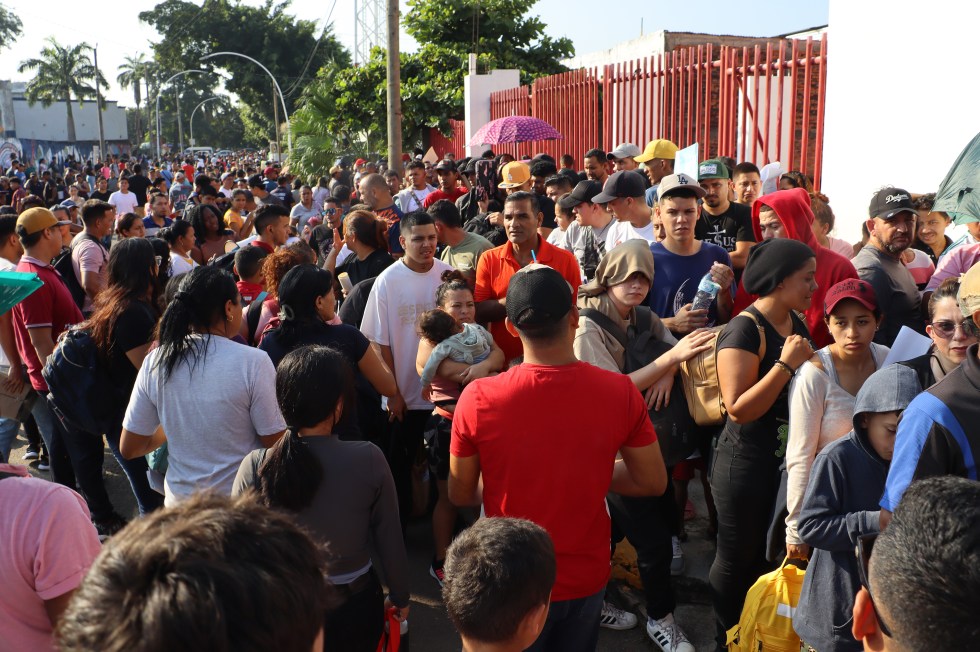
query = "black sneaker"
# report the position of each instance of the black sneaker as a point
(32, 453)
(107, 527)
(435, 570)
(43, 462)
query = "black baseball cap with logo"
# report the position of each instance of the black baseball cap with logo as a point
(584, 191)
(889, 202)
(625, 183)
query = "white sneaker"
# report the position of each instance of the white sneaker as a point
(615, 618)
(677, 561)
(666, 634)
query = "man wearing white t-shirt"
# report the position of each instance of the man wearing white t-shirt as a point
(623, 194)
(400, 294)
(123, 200)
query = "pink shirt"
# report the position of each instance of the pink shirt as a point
(47, 544)
(954, 263)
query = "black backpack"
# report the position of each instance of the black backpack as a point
(62, 263)
(676, 430)
(82, 394)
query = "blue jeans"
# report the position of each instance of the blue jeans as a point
(53, 435)
(572, 626)
(8, 433)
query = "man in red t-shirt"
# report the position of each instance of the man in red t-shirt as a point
(496, 267)
(449, 187)
(555, 466)
(39, 320)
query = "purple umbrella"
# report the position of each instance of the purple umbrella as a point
(514, 129)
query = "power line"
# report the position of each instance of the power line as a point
(309, 60)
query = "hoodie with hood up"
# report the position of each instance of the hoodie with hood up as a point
(841, 504)
(793, 209)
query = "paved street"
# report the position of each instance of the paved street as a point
(431, 630)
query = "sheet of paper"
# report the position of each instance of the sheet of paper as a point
(908, 345)
(686, 161)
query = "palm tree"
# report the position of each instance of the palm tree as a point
(61, 72)
(132, 73)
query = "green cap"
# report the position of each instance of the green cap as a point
(713, 168)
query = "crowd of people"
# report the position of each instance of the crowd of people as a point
(298, 369)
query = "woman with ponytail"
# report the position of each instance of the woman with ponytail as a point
(210, 399)
(306, 316)
(364, 236)
(342, 492)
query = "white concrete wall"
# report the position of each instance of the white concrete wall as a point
(902, 98)
(476, 98)
(51, 123)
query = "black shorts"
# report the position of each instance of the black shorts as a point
(438, 432)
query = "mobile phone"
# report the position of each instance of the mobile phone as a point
(486, 180)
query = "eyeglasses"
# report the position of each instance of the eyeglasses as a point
(946, 328)
(330, 211)
(863, 550)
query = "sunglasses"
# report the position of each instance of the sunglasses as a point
(863, 550)
(946, 328)
(330, 211)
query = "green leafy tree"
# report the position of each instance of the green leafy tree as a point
(60, 73)
(10, 27)
(132, 73)
(504, 32)
(291, 49)
(344, 110)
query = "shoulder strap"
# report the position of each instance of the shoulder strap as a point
(252, 317)
(644, 319)
(762, 331)
(607, 325)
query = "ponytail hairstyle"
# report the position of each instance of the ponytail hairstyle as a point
(368, 229)
(452, 280)
(298, 292)
(311, 383)
(176, 230)
(199, 303)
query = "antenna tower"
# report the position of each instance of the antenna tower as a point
(370, 28)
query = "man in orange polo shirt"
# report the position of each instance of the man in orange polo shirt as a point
(522, 217)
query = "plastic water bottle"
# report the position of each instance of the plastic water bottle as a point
(707, 291)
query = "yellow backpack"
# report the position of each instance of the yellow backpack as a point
(766, 624)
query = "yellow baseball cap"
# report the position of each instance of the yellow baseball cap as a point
(659, 148)
(515, 174)
(36, 219)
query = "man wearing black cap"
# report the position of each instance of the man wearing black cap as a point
(555, 467)
(449, 187)
(723, 222)
(624, 197)
(588, 242)
(892, 226)
(262, 196)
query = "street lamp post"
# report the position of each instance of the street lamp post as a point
(210, 99)
(170, 79)
(282, 99)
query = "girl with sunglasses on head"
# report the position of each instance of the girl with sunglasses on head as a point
(951, 336)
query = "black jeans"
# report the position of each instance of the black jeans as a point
(744, 482)
(402, 449)
(356, 624)
(649, 523)
(88, 453)
(571, 626)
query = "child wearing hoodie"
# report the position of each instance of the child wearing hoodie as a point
(841, 504)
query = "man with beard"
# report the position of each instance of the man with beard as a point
(891, 224)
(722, 221)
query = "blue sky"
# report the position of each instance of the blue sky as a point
(591, 25)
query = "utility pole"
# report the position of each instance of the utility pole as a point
(394, 91)
(180, 127)
(275, 119)
(98, 102)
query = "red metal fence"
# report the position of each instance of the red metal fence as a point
(758, 104)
